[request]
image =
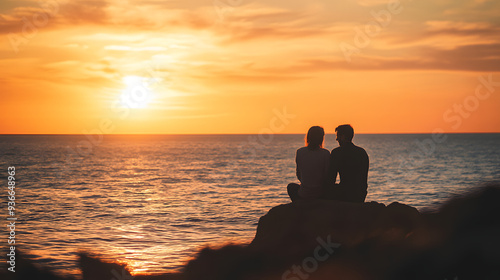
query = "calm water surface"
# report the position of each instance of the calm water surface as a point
(153, 201)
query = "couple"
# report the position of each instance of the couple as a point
(317, 168)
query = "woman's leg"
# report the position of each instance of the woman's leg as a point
(293, 191)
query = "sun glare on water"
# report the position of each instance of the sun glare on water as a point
(137, 92)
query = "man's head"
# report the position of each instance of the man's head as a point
(345, 133)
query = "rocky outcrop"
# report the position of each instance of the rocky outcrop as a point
(319, 240)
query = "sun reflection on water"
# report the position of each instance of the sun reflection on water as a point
(154, 201)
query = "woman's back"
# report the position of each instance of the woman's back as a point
(312, 170)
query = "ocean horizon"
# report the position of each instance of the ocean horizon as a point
(154, 200)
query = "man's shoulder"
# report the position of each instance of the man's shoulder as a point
(336, 150)
(359, 148)
(362, 152)
(349, 149)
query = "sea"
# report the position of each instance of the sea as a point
(153, 201)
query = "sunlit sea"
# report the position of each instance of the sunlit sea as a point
(154, 201)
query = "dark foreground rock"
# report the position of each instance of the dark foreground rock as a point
(321, 240)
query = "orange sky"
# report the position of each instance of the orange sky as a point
(239, 66)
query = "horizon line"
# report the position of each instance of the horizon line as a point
(207, 134)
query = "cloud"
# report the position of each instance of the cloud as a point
(52, 14)
(134, 49)
(371, 3)
(252, 78)
(78, 12)
(451, 33)
(237, 35)
(252, 23)
(250, 31)
(119, 15)
(476, 58)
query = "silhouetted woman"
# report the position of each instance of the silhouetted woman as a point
(312, 167)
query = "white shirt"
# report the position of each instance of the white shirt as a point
(312, 170)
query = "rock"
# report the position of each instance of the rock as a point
(27, 270)
(289, 230)
(459, 241)
(94, 268)
(320, 240)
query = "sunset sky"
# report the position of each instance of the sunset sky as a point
(241, 66)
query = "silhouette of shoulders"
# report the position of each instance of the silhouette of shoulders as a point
(351, 162)
(307, 150)
(350, 149)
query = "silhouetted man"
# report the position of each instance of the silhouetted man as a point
(351, 163)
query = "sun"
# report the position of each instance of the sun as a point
(137, 93)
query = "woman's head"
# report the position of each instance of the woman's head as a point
(314, 138)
